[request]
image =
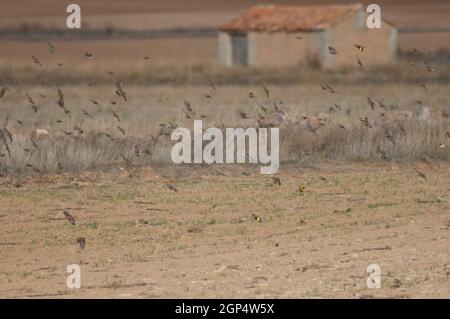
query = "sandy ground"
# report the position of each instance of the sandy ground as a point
(144, 240)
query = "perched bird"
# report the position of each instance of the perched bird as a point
(69, 217)
(251, 95)
(88, 55)
(243, 115)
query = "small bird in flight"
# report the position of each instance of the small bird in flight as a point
(3, 91)
(332, 50)
(36, 61)
(276, 180)
(360, 47)
(69, 217)
(171, 187)
(51, 47)
(371, 103)
(81, 241)
(420, 174)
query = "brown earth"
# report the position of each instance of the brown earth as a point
(144, 240)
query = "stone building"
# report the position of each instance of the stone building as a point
(283, 36)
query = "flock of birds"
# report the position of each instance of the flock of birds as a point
(268, 116)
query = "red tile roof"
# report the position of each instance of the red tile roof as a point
(272, 18)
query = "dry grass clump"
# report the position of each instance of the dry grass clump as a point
(74, 154)
(411, 140)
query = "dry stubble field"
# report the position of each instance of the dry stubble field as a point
(144, 240)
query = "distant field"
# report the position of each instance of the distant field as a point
(114, 54)
(175, 14)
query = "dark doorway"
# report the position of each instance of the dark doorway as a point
(240, 52)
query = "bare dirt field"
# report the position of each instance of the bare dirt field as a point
(223, 234)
